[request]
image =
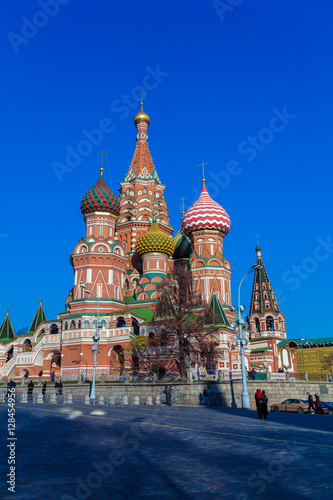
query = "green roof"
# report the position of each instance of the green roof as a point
(129, 299)
(6, 329)
(215, 314)
(144, 312)
(39, 318)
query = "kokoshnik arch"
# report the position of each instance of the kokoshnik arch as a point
(126, 252)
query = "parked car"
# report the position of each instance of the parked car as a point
(327, 408)
(296, 405)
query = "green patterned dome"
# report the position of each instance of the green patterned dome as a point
(154, 241)
(183, 247)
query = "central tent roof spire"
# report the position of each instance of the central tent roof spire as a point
(142, 165)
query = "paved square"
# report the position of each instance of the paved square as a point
(164, 453)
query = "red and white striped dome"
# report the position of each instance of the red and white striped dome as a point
(205, 213)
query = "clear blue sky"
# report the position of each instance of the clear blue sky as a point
(218, 82)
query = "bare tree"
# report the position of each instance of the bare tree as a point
(181, 323)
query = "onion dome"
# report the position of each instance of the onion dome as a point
(141, 117)
(206, 214)
(100, 198)
(183, 248)
(154, 241)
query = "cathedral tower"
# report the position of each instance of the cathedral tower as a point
(142, 195)
(206, 224)
(267, 323)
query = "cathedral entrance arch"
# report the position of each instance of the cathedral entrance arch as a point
(55, 359)
(117, 359)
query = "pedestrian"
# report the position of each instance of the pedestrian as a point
(264, 405)
(258, 397)
(253, 374)
(31, 386)
(56, 386)
(310, 401)
(44, 389)
(318, 405)
(60, 388)
(10, 384)
(205, 397)
(52, 376)
(168, 393)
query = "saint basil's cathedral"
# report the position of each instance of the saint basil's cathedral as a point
(118, 265)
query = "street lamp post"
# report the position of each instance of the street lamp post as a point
(94, 348)
(239, 325)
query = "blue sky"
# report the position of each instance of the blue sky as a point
(245, 86)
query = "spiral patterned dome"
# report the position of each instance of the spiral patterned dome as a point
(100, 198)
(205, 214)
(154, 241)
(183, 248)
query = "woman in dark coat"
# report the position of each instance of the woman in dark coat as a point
(44, 390)
(258, 396)
(317, 404)
(264, 405)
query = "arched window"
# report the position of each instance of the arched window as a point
(257, 325)
(66, 325)
(54, 329)
(126, 284)
(135, 283)
(86, 324)
(103, 324)
(72, 324)
(270, 324)
(94, 324)
(79, 324)
(120, 322)
(27, 347)
(135, 326)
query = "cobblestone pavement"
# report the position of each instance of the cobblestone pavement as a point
(158, 452)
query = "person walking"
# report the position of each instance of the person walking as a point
(52, 376)
(318, 405)
(264, 403)
(253, 374)
(258, 397)
(31, 386)
(56, 386)
(60, 388)
(10, 384)
(205, 396)
(310, 401)
(44, 390)
(168, 393)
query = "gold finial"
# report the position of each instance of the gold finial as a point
(7, 309)
(141, 95)
(101, 155)
(182, 199)
(203, 172)
(41, 297)
(257, 236)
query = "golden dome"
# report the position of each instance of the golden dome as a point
(141, 117)
(154, 241)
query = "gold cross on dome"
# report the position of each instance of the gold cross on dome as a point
(203, 170)
(101, 155)
(257, 236)
(183, 199)
(141, 96)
